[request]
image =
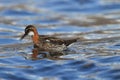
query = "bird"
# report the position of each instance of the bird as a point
(45, 43)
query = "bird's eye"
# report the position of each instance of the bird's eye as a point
(30, 28)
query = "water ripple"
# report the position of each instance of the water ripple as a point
(95, 56)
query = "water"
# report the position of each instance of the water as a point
(95, 22)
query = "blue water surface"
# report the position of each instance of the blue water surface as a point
(94, 57)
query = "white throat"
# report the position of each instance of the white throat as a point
(31, 33)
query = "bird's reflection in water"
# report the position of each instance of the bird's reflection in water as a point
(37, 55)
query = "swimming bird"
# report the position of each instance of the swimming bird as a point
(45, 43)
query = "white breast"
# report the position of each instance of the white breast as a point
(31, 33)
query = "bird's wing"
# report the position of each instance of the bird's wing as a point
(56, 40)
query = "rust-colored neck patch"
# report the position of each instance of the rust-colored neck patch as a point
(35, 37)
